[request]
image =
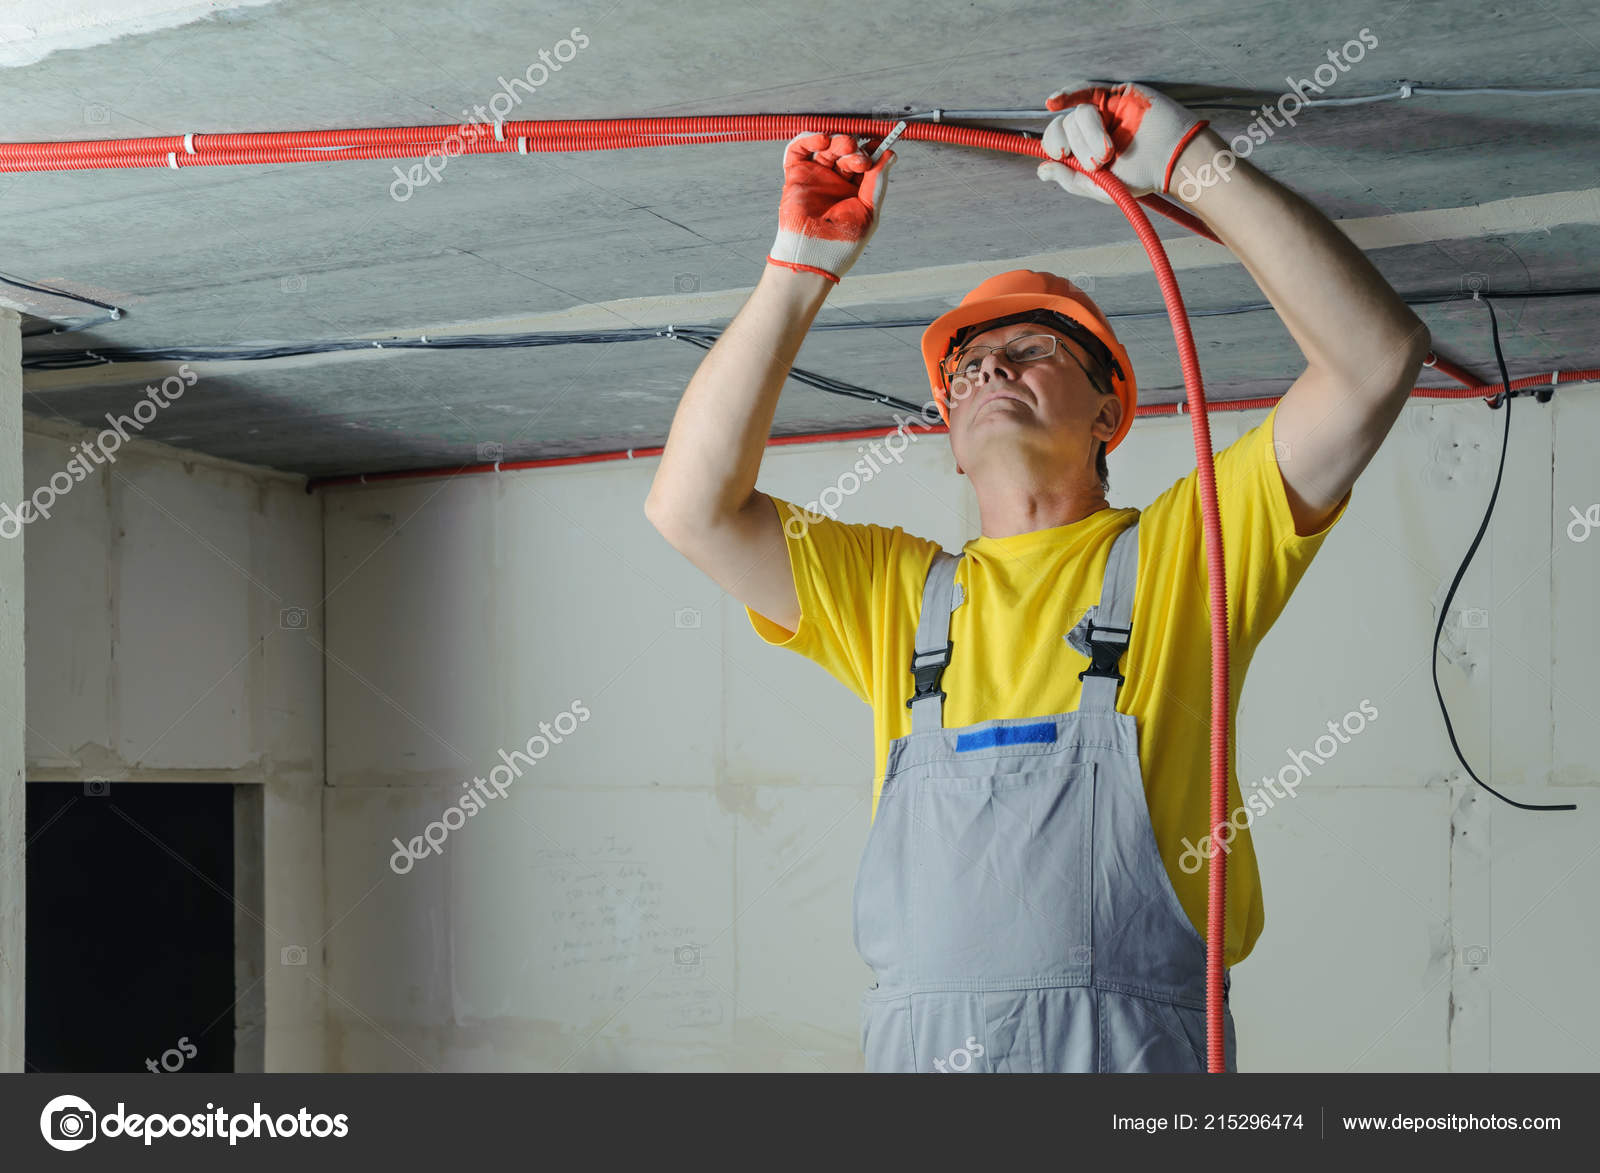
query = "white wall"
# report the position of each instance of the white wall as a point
(157, 651)
(713, 808)
(13, 809)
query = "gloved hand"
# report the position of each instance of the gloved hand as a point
(825, 216)
(1135, 129)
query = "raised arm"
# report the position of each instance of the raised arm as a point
(703, 499)
(1362, 345)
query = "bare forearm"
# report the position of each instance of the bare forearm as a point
(713, 451)
(1343, 315)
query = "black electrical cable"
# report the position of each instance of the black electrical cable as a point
(61, 360)
(87, 324)
(116, 311)
(1507, 395)
(810, 378)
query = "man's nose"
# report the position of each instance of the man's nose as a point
(994, 359)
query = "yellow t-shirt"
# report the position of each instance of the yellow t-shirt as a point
(860, 592)
(860, 589)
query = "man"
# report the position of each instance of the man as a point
(1041, 701)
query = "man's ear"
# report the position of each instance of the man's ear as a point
(1109, 418)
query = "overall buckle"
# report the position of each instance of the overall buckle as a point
(1107, 652)
(927, 676)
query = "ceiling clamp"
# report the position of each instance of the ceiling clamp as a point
(1405, 89)
(888, 141)
(1543, 394)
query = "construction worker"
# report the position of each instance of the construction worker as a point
(1042, 699)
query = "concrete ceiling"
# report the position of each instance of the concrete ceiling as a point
(241, 256)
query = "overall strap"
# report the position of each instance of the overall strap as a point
(1103, 632)
(940, 596)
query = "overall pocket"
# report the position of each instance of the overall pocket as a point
(1000, 880)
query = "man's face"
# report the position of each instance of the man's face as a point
(1048, 405)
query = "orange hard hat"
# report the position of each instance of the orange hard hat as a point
(1012, 295)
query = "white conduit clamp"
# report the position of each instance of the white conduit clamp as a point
(172, 160)
(188, 142)
(522, 146)
(1431, 360)
(499, 132)
(630, 453)
(1544, 394)
(1405, 89)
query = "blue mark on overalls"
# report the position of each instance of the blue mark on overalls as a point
(1044, 731)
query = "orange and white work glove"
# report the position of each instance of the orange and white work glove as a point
(832, 198)
(1137, 131)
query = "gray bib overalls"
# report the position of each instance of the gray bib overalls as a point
(1011, 900)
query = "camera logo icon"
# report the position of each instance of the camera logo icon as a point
(1474, 283)
(1474, 617)
(96, 113)
(292, 955)
(686, 960)
(292, 618)
(1280, 449)
(491, 450)
(1475, 955)
(295, 284)
(686, 283)
(96, 787)
(67, 1123)
(1084, 281)
(686, 617)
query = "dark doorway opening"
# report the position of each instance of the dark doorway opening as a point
(130, 930)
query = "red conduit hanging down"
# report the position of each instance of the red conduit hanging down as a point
(200, 150)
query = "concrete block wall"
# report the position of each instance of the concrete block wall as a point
(174, 635)
(669, 887)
